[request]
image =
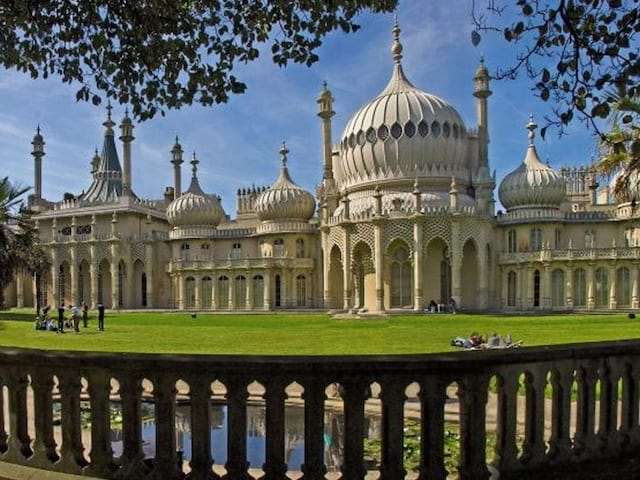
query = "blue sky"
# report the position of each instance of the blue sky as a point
(238, 143)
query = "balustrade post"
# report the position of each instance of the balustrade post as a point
(585, 424)
(101, 454)
(560, 441)
(533, 449)
(237, 465)
(608, 422)
(71, 451)
(393, 397)
(201, 461)
(432, 400)
(44, 446)
(314, 397)
(506, 457)
(3, 431)
(629, 427)
(355, 395)
(275, 467)
(165, 464)
(19, 442)
(132, 460)
(473, 399)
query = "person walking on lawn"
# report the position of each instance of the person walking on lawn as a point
(100, 317)
(85, 315)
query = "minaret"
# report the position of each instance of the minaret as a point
(38, 153)
(126, 137)
(482, 92)
(325, 112)
(177, 161)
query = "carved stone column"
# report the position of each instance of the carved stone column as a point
(379, 265)
(546, 287)
(635, 299)
(150, 273)
(93, 275)
(267, 290)
(483, 275)
(115, 277)
(569, 287)
(346, 269)
(613, 279)
(591, 299)
(417, 265)
(182, 291)
(19, 289)
(326, 264)
(198, 292)
(73, 274)
(232, 292)
(456, 264)
(249, 291)
(55, 280)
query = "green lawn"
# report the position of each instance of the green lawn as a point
(307, 334)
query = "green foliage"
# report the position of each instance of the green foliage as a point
(573, 51)
(289, 334)
(159, 54)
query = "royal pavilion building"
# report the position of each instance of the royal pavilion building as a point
(404, 215)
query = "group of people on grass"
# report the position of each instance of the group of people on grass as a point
(441, 307)
(46, 322)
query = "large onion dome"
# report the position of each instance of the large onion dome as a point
(285, 200)
(194, 207)
(401, 133)
(631, 193)
(533, 184)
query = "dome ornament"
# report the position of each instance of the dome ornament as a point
(396, 48)
(531, 126)
(284, 152)
(194, 164)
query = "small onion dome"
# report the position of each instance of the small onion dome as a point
(285, 200)
(194, 207)
(631, 193)
(37, 138)
(533, 184)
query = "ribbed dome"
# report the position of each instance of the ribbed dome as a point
(285, 200)
(194, 207)
(533, 184)
(631, 193)
(401, 129)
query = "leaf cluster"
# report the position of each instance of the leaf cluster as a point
(164, 54)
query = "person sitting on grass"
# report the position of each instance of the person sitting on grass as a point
(39, 323)
(433, 306)
(51, 325)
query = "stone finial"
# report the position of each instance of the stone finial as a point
(284, 152)
(109, 123)
(396, 48)
(531, 126)
(194, 164)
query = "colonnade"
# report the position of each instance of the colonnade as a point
(581, 285)
(286, 288)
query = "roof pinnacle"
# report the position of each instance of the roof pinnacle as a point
(396, 48)
(531, 126)
(109, 123)
(283, 154)
(194, 164)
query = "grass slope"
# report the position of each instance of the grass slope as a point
(306, 334)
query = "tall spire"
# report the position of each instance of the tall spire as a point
(398, 82)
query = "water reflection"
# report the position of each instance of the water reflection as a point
(294, 436)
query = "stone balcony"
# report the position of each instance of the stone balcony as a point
(596, 436)
(569, 254)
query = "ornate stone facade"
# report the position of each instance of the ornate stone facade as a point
(406, 216)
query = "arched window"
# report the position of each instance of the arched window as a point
(536, 288)
(236, 250)
(207, 287)
(240, 292)
(602, 288)
(589, 239)
(557, 239)
(623, 287)
(190, 293)
(223, 292)
(557, 288)
(278, 292)
(258, 291)
(512, 286)
(301, 290)
(143, 289)
(401, 278)
(278, 247)
(535, 239)
(512, 241)
(300, 248)
(579, 288)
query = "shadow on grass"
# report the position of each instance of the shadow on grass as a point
(18, 316)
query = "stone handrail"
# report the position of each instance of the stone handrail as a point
(592, 254)
(600, 441)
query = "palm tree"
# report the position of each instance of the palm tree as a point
(19, 248)
(620, 147)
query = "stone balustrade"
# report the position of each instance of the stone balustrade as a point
(235, 263)
(591, 254)
(604, 376)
